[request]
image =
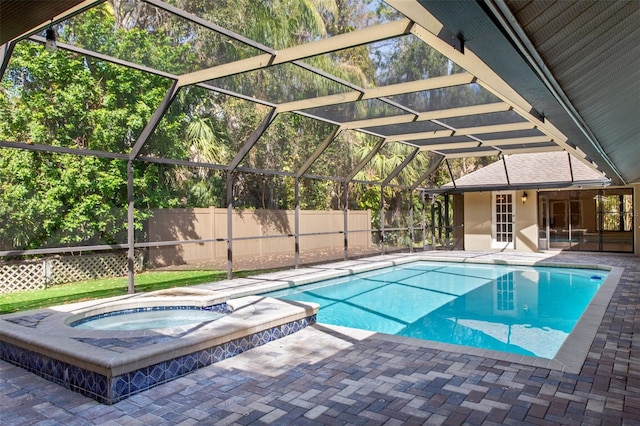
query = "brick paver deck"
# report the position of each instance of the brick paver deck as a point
(332, 375)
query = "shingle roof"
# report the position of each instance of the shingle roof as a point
(546, 169)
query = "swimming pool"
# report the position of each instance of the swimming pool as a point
(518, 309)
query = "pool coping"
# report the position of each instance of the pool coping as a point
(569, 358)
(109, 366)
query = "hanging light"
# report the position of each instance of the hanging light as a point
(50, 37)
(524, 197)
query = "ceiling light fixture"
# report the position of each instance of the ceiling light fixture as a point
(128, 5)
(50, 37)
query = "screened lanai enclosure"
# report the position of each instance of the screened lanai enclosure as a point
(214, 132)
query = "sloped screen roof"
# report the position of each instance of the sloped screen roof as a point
(388, 70)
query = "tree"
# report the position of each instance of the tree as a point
(73, 101)
(80, 102)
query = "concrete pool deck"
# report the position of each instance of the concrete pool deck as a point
(334, 375)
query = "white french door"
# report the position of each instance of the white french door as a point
(503, 220)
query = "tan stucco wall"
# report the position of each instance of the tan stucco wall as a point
(527, 222)
(477, 221)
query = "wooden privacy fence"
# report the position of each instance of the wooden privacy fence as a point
(255, 233)
(39, 274)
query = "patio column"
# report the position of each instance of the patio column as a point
(130, 229)
(424, 221)
(410, 221)
(382, 236)
(229, 224)
(297, 222)
(345, 208)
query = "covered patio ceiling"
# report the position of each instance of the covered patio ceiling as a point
(533, 96)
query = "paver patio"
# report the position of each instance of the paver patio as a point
(334, 375)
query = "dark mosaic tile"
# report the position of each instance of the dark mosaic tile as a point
(231, 349)
(204, 358)
(156, 373)
(257, 340)
(285, 329)
(219, 353)
(172, 370)
(139, 381)
(117, 388)
(189, 363)
(275, 333)
(244, 344)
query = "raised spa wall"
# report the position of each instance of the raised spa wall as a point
(109, 366)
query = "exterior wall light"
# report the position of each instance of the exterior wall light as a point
(524, 197)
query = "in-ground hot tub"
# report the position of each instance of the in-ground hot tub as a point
(111, 365)
(151, 318)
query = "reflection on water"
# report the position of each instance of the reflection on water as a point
(522, 310)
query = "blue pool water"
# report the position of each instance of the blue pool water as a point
(523, 310)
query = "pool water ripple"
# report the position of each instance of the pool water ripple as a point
(518, 309)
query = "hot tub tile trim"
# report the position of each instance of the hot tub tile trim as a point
(109, 390)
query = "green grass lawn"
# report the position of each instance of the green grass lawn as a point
(107, 287)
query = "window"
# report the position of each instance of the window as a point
(615, 212)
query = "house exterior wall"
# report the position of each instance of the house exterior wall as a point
(478, 218)
(477, 222)
(526, 222)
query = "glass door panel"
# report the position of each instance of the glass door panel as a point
(587, 220)
(559, 221)
(543, 221)
(615, 214)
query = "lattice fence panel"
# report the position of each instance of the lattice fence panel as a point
(29, 275)
(22, 276)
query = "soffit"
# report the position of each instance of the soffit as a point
(20, 16)
(591, 48)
